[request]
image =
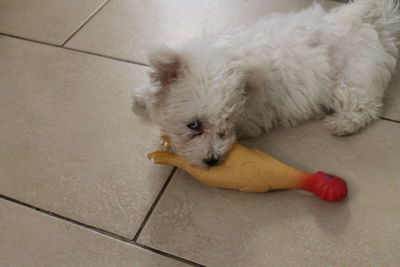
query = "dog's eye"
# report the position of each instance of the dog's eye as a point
(221, 134)
(195, 125)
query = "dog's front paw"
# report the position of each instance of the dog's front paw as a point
(139, 104)
(139, 107)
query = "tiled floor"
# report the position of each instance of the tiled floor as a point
(77, 190)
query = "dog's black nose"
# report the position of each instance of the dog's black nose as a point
(213, 160)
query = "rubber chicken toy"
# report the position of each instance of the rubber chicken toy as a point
(251, 170)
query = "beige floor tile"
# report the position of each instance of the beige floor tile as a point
(31, 238)
(392, 98)
(69, 142)
(291, 228)
(126, 28)
(45, 20)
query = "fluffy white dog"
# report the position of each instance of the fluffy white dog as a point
(281, 70)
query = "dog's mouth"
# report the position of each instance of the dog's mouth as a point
(193, 135)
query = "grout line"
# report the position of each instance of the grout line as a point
(85, 22)
(146, 218)
(104, 56)
(52, 214)
(28, 39)
(74, 49)
(169, 255)
(387, 119)
(99, 231)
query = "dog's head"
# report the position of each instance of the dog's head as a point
(195, 98)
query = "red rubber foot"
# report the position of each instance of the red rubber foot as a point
(328, 187)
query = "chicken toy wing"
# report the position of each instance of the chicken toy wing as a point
(251, 170)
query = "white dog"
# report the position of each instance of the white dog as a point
(281, 70)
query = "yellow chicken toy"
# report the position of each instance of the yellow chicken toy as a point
(251, 170)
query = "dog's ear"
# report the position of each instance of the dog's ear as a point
(166, 66)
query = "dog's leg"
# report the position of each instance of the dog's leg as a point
(357, 98)
(354, 107)
(369, 57)
(139, 105)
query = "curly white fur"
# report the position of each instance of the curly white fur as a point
(283, 69)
